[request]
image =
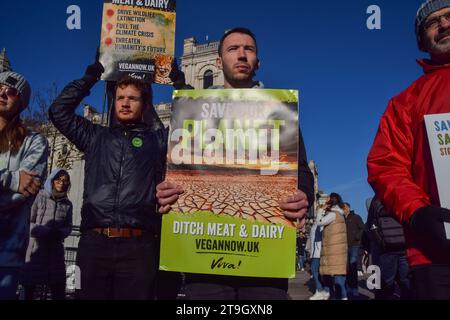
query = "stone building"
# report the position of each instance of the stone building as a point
(199, 64)
(164, 111)
(5, 65)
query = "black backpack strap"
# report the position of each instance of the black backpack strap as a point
(375, 212)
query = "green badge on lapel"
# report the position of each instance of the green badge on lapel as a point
(137, 142)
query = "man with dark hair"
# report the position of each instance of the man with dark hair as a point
(125, 164)
(237, 30)
(400, 166)
(238, 59)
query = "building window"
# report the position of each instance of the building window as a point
(208, 79)
(65, 150)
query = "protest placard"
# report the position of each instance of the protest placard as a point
(438, 129)
(235, 154)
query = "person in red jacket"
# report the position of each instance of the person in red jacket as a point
(400, 166)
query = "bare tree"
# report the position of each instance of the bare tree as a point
(36, 115)
(36, 118)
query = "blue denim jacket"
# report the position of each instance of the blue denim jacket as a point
(14, 207)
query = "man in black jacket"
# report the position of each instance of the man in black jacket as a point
(238, 59)
(124, 169)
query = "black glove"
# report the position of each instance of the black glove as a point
(95, 71)
(428, 224)
(39, 231)
(178, 78)
(54, 234)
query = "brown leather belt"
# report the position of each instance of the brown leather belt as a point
(119, 233)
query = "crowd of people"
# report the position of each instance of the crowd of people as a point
(125, 193)
(334, 247)
(340, 247)
(124, 197)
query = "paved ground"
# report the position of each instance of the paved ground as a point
(302, 287)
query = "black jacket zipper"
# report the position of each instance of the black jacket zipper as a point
(116, 201)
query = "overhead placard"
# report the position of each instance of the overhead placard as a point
(235, 154)
(138, 39)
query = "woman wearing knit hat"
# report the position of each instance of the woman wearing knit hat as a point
(433, 30)
(400, 166)
(51, 223)
(23, 163)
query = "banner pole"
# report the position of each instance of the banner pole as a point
(110, 94)
(103, 107)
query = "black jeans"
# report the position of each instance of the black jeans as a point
(352, 276)
(58, 291)
(394, 269)
(117, 268)
(168, 285)
(212, 287)
(431, 282)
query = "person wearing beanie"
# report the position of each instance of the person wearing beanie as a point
(399, 164)
(23, 165)
(51, 223)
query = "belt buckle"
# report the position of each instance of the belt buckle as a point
(108, 233)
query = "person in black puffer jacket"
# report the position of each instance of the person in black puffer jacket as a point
(124, 171)
(388, 252)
